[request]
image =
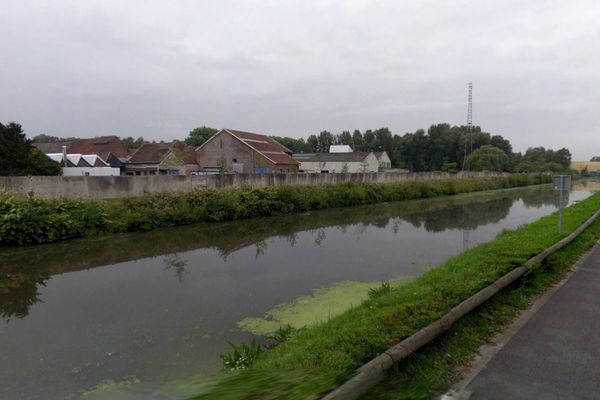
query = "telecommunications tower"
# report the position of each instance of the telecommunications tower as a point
(469, 143)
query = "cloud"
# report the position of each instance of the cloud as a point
(158, 69)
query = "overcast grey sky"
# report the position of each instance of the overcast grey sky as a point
(292, 68)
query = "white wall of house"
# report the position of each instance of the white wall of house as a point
(384, 160)
(91, 171)
(370, 164)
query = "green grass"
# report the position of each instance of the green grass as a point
(432, 370)
(318, 359)
(33, 220)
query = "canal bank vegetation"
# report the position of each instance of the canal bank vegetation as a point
(33, 220)
(316, 360)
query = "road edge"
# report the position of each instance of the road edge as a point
(486, 352)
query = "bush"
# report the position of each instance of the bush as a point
(32, 219)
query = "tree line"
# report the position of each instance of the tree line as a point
(439, 148)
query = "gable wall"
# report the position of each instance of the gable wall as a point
(227, 147)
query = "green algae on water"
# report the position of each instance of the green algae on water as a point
(317, 307)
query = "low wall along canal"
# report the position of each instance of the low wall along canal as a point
(149, 313)
(110, 187)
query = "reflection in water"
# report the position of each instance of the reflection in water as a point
(22, 270)
(176, 263)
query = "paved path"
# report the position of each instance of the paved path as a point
(556, 353)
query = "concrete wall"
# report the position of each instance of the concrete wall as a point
(91, 171)
(107, 187)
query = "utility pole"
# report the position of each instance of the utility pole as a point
(469, 125)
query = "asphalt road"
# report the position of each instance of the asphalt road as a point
(556, 353)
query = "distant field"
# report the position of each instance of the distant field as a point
(581, 165)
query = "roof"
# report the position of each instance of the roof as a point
(150, 153)
(51, 147)
(189, 155)
(79, 160)
(101, 146)
(263, 144)
(357, 156)
(340, 148)
(378, 154)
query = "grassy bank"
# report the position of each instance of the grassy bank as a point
(34, 220)
(432, 370)
(318, 359)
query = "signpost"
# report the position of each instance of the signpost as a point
(562, 183)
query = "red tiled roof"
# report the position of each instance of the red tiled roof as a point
(189, 155)
(100, 146)
(265, 145)
(281, 159)
(150, 153)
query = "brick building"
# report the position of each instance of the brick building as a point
(162, 159)
(234, 151)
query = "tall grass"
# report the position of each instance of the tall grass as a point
(32, 219)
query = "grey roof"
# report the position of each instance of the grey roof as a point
(357, 156)
(378, 154)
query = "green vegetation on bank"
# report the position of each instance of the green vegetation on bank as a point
(33, 219)
(318, 359)
(432, 370)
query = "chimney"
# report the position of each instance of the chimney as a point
(64, 156)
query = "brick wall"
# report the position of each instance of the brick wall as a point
(225, 147)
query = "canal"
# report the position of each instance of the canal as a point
(146, 315)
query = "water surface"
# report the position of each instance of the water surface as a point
(144, 312)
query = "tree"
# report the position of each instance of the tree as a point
(199, 135)
(537, 159)
(325, 141)
(501, 143)
(345, 138)
(487, 158)
(43, 138)
(19, 157)
(313, 143)
(357, 140)
(131, 143)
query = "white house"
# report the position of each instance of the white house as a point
(84, 165)
(337, 162)
(384, 160)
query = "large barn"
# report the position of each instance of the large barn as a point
(233, 151)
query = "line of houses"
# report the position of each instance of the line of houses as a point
(227, 151)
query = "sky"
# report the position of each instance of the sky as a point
(292, 68)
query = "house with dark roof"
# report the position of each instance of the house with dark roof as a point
(234, 151)
(349, 162)
(162, 159)
(102, 146)
(51, 147)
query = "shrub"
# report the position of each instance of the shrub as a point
(32, 219)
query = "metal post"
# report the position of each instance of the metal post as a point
(560, 205)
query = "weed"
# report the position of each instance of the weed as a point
(379, 291)
(242, 355)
